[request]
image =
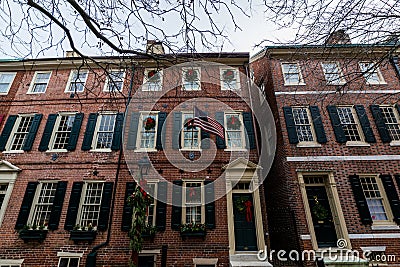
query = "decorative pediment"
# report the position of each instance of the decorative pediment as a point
(241, 164)
(6, 166)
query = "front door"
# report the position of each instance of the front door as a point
(244, 222)
(321, 214)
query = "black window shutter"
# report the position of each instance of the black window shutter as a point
(74, 135)
(177, 130)
(48, 131)
(220, 117)
(176, 216)
(290, 126)
(90, 127)
(365, 125)
(5, 134)
(57, 205)
(210, 204)
(380, 123)
(117, 136)
(26, 205)
(105, 206)
(30, 138)
(248, 125)
(337, 126)
(397, 178)
(133, 130)
(161, 208)
(397, 106)
(318, 125)
(359, 197)
(392, 196)
(160, 134)
(127, 209)
(73, 206)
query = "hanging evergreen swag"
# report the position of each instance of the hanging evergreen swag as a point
(319, 211)
(191, 75)
(228, 75)
(233, 123)
(149, 123)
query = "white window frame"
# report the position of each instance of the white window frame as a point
(366, 73)
(36, 199)
(107, 83)
(314, 142)
(11, 262)
(146, 83)
(183, 148)
(10, 84)
(143, 115)
(67, 88)
(14, 130)
(69, 255)
(301, 80)
(81, 203)
(358, 125)
(154, 204)
(242, 135)
(33, 82)
(341, 79)
(237, 79)
(8, 175)
(55, 129)
(397, 116)
(198, 69)
(385, 201)
(94, 140)
(203, 205)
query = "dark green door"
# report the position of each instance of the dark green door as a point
(245, 228)
(321, 214)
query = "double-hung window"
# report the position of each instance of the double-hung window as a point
(77, 81)
(392, 122)
(39, 82)
(230, 79)
(234, 131)
(62, 131)
(6, 79)
(292, 74)
(89, 209)
(302, 120)
(42, 204)
(68, 262)
(115, 81)
(350, 124)
(191, 79)
(20, 132)
(151, 189)
(104, 131)
(147, 130)
(193, 200)
(190, 135)
(333, 73)
(371, 73)
(152, 80)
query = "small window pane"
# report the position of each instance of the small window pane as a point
(44, 204)
(91, 205)
(374, 198)
(191, 134)
(234, 131)
(148, 130)
(105, 131)
(349, 125)
(19, 137)
(41, 81)
(291, 73)
(391, 122)
(5, 81)
(63, 131)
(78, 80)
(191, 79)
(303, 125)
(115, 81)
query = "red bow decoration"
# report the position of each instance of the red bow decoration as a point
(192, 192)
(232, 120)
(249, 214)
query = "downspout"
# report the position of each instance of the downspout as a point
(395, 62)
(91, 257)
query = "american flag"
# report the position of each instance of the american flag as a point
(206, 123)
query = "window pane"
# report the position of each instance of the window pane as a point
(116, 81)
(191, 79)
(78, 80)
(21, 133)
(303, 125)
(229, 79)
(391, 122)
(349, 125)
(374, 198)
(191, 134)
(63, 131)
(91, 204)
(148, 131)
(291, 73)
(42, 208)
(105, 132)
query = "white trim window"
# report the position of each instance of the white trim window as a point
(190, 135)
(42, 204)
(230, 78)
(6, 80)
(104, 133)
(304, 128)
(89, 208)
(69, 261)
(151, 189)
(371, 73)
(62, 131)
(20, 132)
(147, 131)
(392, 121)
(114, 81)
(39, 82)
(376, 199)
(153, 80)
(350, 124)
(193, 202)
(191, 78)
(292, 74)
(11, 263)
(234, 130)
(333, 73)
(77, 81)
(3, 196)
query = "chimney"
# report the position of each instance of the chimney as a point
(338, 37)
(71, 54)
(154, 47)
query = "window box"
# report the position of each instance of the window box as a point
(30, 235)
(193, 230)
(82, 235)
(199, 233)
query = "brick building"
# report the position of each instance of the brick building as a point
(64, 181)
(336, 171)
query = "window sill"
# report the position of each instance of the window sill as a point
(13, 152)
(385, 227)
(236, 149)
(145, 150)
(35, 93)
(57, 151)
(395, 143)
(378, 83)
(101, 150)
(294, 84)
(336, 84)
(355, 144)
(4, 93)
(305, 145)
(190, 149)
(190, 90)
(68, 92)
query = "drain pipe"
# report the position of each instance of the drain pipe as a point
(91, 258)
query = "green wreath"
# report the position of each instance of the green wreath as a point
(233, 123)
(319, 211)
(191, 75)
(239, 203)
